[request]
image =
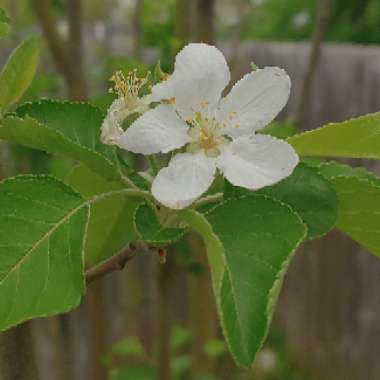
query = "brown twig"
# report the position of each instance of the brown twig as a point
(116, 262)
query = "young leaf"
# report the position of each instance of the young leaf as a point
(150, 229)
(357, 138)
(250, 242)
(31, 133)
(4, 23)
(18, 72)
(42, 231)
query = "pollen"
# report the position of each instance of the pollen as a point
(129, 86)
(206, 134)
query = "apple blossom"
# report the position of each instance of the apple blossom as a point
(217, 133)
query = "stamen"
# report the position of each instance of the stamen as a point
(206, 134)
(130, 86)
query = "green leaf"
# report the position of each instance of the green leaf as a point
(111, 225)
(333, 169)
(31, 133)
(356, 138)
(307, 192)
(135, 372)
(280, 130)
(4, 23)
(250, 242)
(79, 122)
(150, 229)
(359, 210)
(179, 336)
(214, 348)
(18, 72)
(311, 196)
(358, 193)
(42, 228)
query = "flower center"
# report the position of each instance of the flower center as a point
(205, 133)
(128, 88)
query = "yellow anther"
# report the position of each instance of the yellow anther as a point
(168, 101)
(130, 86)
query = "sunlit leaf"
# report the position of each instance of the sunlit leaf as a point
(18, 72)
(357, 138)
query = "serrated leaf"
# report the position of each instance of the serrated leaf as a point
(4, 23)
(80, 122)
(29, 132)
(280, 130)
(359, 203)
(307, 192)
(310, 195)
(250, 242)
(356, 138)
(111, 225)
(334, 169)
(18, 72)
(150, 229)
(42, 229)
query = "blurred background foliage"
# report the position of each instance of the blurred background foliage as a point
(128, 34)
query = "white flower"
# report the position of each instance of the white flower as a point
(219, 133)
(127, 103)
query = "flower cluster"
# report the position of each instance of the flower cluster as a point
(214, 133)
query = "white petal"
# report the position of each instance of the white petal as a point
(255, 101)
(200, 75)
(111, 129)
(163, 90)
(186, 178)
(257, 161)
(157, 130)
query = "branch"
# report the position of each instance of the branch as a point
(52, 36)
(318, 36)
(67, 55)
(116, 262)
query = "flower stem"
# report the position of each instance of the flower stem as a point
(208, 199)
(153, 164)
